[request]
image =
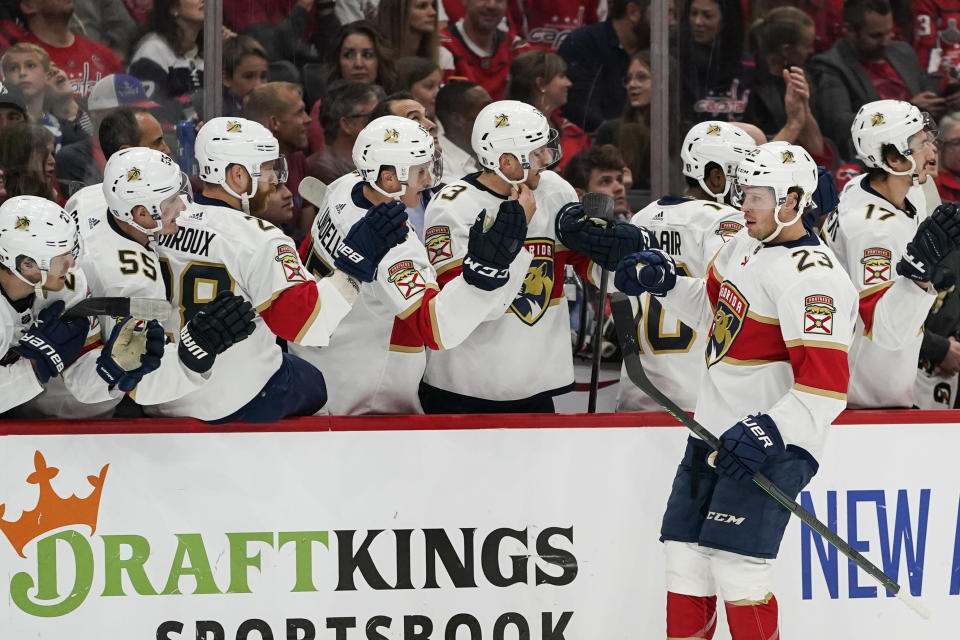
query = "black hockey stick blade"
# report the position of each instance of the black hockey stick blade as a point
(623, 320)
(119, 306)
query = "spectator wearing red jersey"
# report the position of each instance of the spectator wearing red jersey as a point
(936, 39)
(948, 181)
(84, 61)
(539, 78)
(545, 23)
(477, 49)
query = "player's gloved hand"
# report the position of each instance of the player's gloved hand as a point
(370, 238)
(652, 272)
(825, 197)
(53, 343)
(219, 324)
(489, 253)
(936, 237)
(745, 446)
(133, 350)
(606, 242)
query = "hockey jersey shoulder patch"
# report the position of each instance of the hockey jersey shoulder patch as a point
(437, 241)
(290, 263)
(818, 314)
(407, 279)
(727, 229)
(876, 265)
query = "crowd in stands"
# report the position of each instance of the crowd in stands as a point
(313, 71)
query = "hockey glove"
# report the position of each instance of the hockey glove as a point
(745, 446)
(219, 324)
(606, 242)
(936, 237)
(825, 197)
(53, 343)
(133, 350)
(489, 253)
(370, 238)
(652, 272)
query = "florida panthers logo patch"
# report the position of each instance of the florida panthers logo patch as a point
(727, 229)
(391, 135)
(727, 322)
(133, 174)
(437, 241)
(713, 129)
(787, 157)
(234, 127)
(407, 279)
(818, 315)
(501, 120)
(876, 119)
(537, 290)
(290, 263)
(876, 265)
(22, 223)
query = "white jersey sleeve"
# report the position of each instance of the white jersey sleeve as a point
(18, 382)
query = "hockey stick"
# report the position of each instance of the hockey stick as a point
(623, 319)
(313, 191)
(141, 308)
(597, 205)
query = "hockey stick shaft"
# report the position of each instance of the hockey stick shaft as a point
(597, 346)
(120, 306)
(623, 320)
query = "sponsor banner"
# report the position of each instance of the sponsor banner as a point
(445, 534)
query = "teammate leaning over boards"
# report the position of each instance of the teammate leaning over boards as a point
(218, 248)
(780, 312)
(145, 192)
(530, 343)
(38, 279)
(691, 229)
(382, 340)
(871, 232)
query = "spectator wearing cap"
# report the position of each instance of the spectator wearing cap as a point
(345, 112)
(13, 107)
(84, 61)
(477, 49)
(280, 108)
(27, 66)
(458, 103)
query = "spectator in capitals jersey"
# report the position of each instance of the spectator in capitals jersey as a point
(84, 61)
(477, 49)
(868, 65)
(344, 114)
(597, 57)
(422, 78)
(410, 26)
(279, 107)
(936, 39)
(545, 23)
(458, 103)
(358, 54)
(539, 78)
(245, 67)
(106, 21)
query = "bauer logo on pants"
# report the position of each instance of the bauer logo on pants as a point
(727, 322)
(818, 315)
(876, 265)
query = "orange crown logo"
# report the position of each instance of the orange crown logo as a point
(52, 511)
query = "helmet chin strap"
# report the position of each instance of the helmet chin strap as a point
(395, 195)
(780, 225)
(717, 196)
(913, 171)
(245, 197)
(513, 182)
(38, 285)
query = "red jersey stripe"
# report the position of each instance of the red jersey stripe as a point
(820, 368)
(292, 312)
(868, 305)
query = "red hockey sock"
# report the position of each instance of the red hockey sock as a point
(754, 622)
(691, 616)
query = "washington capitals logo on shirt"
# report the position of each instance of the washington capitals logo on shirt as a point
(876, 119)
(501, 120)
(437, 241)
(22, 224)
(818, 314)
(713, 130)
(728, 320)
(876, 265)
(537, 290)
(408, 280)
(727, 229)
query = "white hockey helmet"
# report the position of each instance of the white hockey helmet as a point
(143, 177)
(890, 122)
(714, 141)
(38, 229)
(517, 128)
(222, 142)
(779, 166)
(400, 143)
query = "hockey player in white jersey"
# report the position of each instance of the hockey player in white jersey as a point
(219, 248)
(145, 192)
(780, 312)
(691, 229)
(383, 340)
(38, 280)
(882, 236)
(531, 341)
